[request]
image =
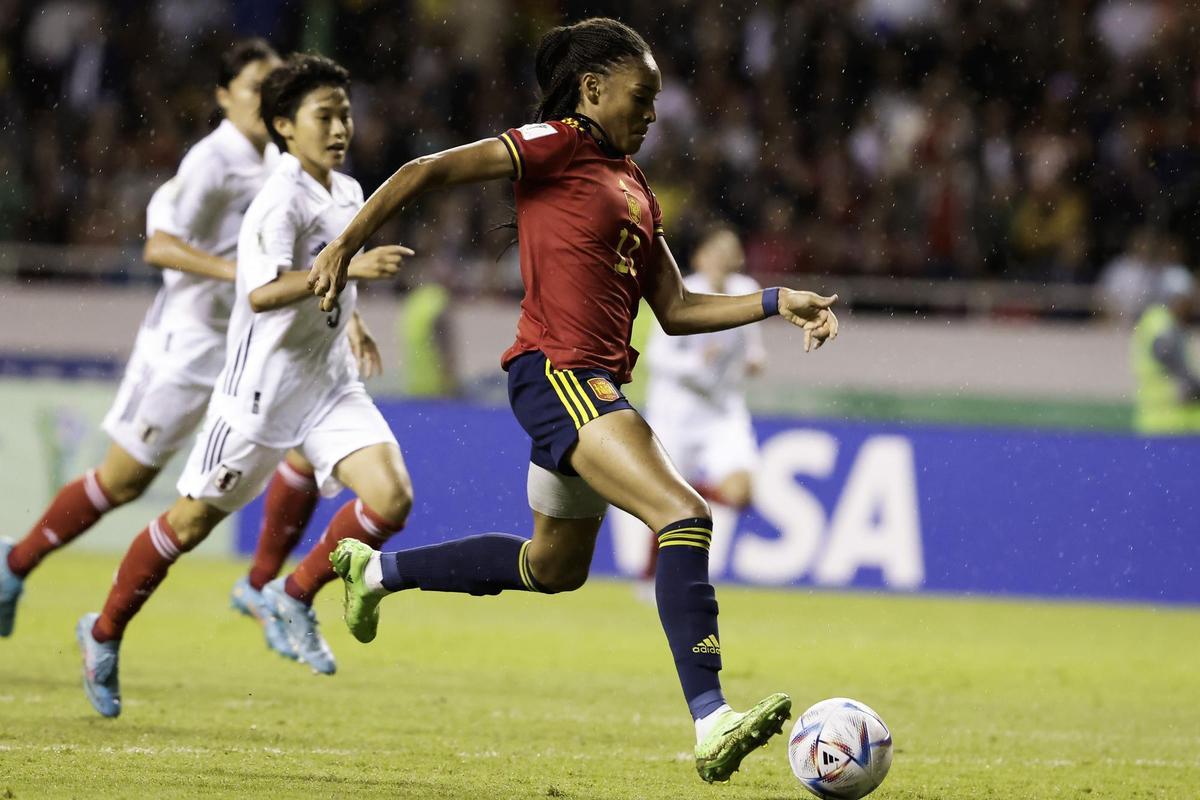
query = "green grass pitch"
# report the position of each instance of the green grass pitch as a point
(574, 696)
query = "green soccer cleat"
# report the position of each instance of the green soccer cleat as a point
(735, 735)
(350, 560)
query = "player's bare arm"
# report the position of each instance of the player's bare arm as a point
(681, 311)
(170, 252)
(484, 160)
(379, 263)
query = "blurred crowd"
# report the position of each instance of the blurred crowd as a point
(1011, 139)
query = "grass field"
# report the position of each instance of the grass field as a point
(575, 697)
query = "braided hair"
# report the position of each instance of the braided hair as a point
(566, 52)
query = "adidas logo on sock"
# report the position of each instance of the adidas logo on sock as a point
(709, 645)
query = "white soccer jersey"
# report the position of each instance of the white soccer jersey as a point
(703, 374)
(203, 205)
(284, 369)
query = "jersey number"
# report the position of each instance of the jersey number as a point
(625, 265)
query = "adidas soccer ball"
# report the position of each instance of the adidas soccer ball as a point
(840, 749)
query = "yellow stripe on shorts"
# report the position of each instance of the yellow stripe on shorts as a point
(584, 395)
(562, 397)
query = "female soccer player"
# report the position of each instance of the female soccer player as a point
(192, 230)
(591, 245)
(288, 382)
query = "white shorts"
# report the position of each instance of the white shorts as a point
(227, 470)
(709, 449)
(154, 413)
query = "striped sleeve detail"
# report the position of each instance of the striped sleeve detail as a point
(514, 153)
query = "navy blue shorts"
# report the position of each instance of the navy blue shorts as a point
(553, 404)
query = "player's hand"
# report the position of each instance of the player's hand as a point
(380, 262)
(812, 313)
(364, 347)
(327, 276)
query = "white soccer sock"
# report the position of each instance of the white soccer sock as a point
(373, 575)
(705, 724)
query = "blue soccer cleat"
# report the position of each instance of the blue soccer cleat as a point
(249, 601)
(11, 587)
(100, 681)
(299, 623)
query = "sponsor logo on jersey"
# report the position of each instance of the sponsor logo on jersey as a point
(226, 478)
(709, 645)
(603, 390)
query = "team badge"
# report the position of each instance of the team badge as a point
(226, 478)
(603, 390)
(635, 208)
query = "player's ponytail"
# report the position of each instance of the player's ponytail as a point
(565, 53)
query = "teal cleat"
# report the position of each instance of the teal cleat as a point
(735, 736)
(299, 623)
(11, 587)
(249, 601)
(361, 612)
(100, 681)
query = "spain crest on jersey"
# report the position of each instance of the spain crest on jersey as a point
(603, 390)
(635, 208)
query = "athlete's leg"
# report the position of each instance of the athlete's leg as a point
(619, 457)
(143, 569)
(118, 480)
(73, 511)
(150, 556)
(556, 559)
(378, 476)
(734, 490)
(288, 506)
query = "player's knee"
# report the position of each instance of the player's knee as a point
(690, 506)
(737, 489)
(395, 503)
(564, 580)
(189, 529)
(556, 575)
(737, 494)
(124, 491)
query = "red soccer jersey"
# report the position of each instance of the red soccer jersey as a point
(586, 223)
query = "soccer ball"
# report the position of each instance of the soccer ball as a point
(840, 749)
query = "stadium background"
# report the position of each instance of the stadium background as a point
(990, 187)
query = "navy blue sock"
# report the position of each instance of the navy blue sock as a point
(687, 606)
(485, 564)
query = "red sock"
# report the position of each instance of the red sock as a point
(75, 508)
(352, 521)
(291, 498)
(145, 565)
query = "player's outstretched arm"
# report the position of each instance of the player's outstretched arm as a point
(165, 251)
(682, 312)
(289, 287)
(484, 160)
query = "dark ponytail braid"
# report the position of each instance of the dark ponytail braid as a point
(565, 53)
